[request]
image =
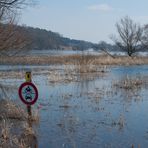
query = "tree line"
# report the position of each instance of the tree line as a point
(43, 39)
(131, 37)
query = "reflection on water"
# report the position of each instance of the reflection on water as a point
(108, 110)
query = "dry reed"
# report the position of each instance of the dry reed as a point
(74, 59)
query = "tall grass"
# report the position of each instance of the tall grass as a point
(73, 59)
(131, 83)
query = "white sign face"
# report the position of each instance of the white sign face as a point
(28, 93)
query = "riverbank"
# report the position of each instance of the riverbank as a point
(15, 130)
(73, 59)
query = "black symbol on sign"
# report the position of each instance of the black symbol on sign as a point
(28, 93)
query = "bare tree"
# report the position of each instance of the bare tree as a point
(103, 47)
(129, 35)
(144, 39)
(10, 7)
(11, 35)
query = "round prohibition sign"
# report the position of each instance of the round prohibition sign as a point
(28, 93)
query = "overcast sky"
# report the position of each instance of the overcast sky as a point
(90, 20)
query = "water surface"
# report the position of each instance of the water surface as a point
(86, 112)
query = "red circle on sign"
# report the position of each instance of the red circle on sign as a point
(28, 95)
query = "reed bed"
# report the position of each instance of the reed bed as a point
(131, 83)
(74, 59)
(10, 115)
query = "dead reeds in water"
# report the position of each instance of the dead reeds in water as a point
(82, 68)
(85, 64)
(130, 87)
(131, 83)
(103, 59)
(9, 110)
(10, 115)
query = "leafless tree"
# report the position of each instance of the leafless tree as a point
(144, 39)
(10, 7)
(11, 36)
(103, 47)
(129, 35)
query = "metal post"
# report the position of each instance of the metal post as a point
(34, 140)
(28, 76)
(28, 79)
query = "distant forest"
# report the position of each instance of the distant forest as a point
(40, 39)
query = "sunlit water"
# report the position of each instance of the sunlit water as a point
(87, 113)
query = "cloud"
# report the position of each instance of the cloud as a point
(101, 7)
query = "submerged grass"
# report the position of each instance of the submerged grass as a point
(130, 87)
(131, 83)
(10, 110)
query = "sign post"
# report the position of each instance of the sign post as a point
(28, 79)
(28, 93)
(28, 76)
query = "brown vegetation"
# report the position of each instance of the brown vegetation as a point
(10, 115)
(131, 83)
(74, 59)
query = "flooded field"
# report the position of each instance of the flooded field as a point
(106, 108)
(53, 52)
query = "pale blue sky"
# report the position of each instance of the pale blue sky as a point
(91, 20)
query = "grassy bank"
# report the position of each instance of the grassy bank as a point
(15, 132)
(74, 59)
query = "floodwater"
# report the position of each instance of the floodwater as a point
(95, 110)
(57, 52)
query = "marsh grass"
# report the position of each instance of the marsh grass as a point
(129, 87)
(73, 59)
(5, 129)
(131, 83)
(7, 139)
(10, 110)
(85, 64)
(10, 115)
(19, 143)
(82, 69)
